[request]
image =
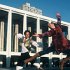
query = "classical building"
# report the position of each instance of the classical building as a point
(13, 20)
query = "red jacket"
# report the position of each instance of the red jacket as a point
(58, 39)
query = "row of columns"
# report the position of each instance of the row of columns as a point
(9, 32)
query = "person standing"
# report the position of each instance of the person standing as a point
(25, 42)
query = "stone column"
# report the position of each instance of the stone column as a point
(24, 23)
(49, 38)
(69, 32)
(29, 28)
(16, 39)
(38, 32)
(8, 46)
(49, 43)
(38, 39)
(2, 36)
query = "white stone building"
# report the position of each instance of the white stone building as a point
(13, 20)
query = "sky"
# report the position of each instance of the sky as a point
(48, 7)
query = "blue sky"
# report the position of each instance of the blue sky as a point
(49, 7)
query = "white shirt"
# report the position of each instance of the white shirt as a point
(24, 49)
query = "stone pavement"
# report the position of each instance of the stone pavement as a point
(33, 68)
(7, 68)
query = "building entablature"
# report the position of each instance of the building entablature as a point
(30, 14)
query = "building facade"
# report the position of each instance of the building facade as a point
(14, 21)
